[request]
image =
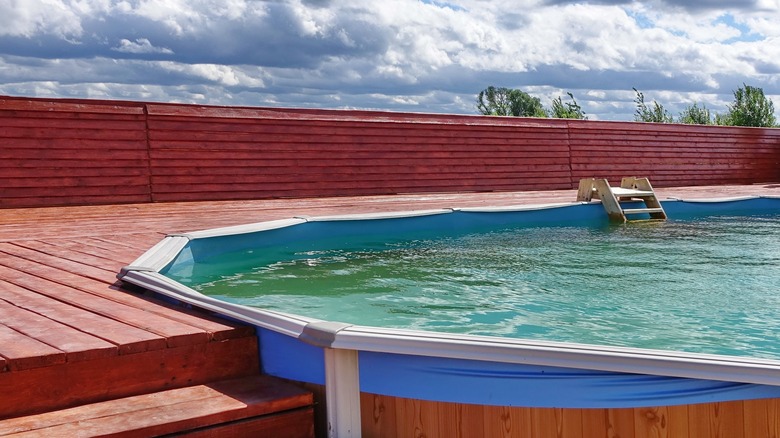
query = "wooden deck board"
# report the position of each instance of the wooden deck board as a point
(36, 390)
(167, 412)
(66, 264)
(71, 288)
(23, 352)
(81, 258)
(111, 258)
(76, 344)
(127, 338)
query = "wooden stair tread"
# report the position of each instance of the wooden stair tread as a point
(64, 385)
(621, 192)
(642, 210)
(169, 411)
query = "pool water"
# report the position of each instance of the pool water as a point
(710, 285)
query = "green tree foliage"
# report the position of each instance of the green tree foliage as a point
(721, 120)
(654, 113)
(567, 110)
(750, 108)
(494, 101)
(695, 115)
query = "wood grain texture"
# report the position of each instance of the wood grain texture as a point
(74, 344)
(91, 151)
(225, 406)
(292, 424)
(104, 152)
(410, 418)
(67, 384)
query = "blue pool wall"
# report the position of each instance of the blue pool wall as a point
(499, 384)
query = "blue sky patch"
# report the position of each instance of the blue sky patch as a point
(443, 4)
(746, 34)
(641, 19)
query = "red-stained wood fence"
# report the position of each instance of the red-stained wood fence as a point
(58, 152)
(675, 155)
(76, 152)
(216, 153)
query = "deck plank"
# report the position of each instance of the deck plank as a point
(167, 412)
(23, 352)
(127, 338)
(213, 328)
(71, 288)
(177, 325)
(76, 344)
(111, 258)
(64, 264)
(37, 390)
(84, 257)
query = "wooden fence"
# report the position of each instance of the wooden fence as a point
(77, 152)
(72, 153)
(383, 416)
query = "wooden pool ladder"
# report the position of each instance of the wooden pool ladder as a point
(611, 197)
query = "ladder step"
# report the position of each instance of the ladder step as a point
(642, 210)
(631, 193)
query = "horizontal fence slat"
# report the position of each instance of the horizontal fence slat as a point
(71, 151)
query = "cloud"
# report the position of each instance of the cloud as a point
(29, 18)
(687, 5)
(431, 56)
(140, 45)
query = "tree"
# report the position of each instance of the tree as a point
(656, 114)
(494, 101)
(567, 110)
(695, 115)
(750, 108)
(721, 120)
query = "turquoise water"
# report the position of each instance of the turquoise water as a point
(710, 285)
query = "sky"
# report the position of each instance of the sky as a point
(427, 56)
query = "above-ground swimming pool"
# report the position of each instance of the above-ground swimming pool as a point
(546, 306)
(707, 284)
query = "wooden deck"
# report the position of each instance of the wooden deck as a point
(70, 334)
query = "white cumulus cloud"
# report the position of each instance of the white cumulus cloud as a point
(140, 45)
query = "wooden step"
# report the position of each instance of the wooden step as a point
(72, 383)
(642, 210)
(621, 192)
(256, 406)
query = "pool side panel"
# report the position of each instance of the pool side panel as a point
(574, 214)
(303, 234)
(744, 206)
(504, 384)
(289, 358)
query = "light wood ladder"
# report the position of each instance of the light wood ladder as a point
(630, 189)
